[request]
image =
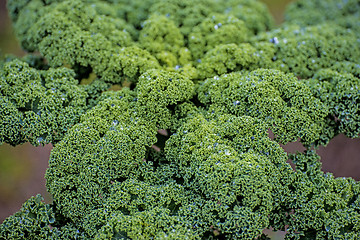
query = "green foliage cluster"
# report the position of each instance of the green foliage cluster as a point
(340, 91)
(344, 13)
(284, 103)
(328, 207)
(39, 106)
(303, 50)
(181, 150)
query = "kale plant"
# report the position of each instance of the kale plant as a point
(182, 149)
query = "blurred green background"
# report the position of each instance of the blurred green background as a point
(22, 168)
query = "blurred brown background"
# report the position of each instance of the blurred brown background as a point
(22, 168)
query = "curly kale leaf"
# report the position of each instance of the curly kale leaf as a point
(38, 106)
(228, 58)
(307, 12)
(185, 14)
(340, 91)
(215, 30)
(37, 220)
(163, 39)
(159, 90)
(74, 33)
(254, 13)
(305, 50)
(324, 207)
(111, 141)
(284, 103)
(222, 160)
(32, 221)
